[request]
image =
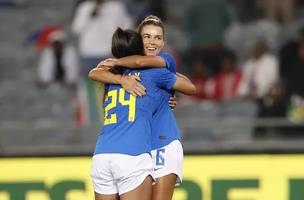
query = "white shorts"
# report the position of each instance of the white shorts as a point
(168, 160)
(120, 173)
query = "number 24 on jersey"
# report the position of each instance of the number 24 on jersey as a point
(118, 96)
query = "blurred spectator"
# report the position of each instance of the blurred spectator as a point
(245, 11)
(228, 79)
(94, 24)
(142, 8)
(205, 22)
(291, 73)
(293, 78)
(41, 37)
(200, 78)
(275, 10)
(158, 8)
(58, 61)
(263, 28)
(260, 73)
(289, 53)
(260, 83)
(139, 9)
(75, 6)
(175, 37)
(274, 103)
(287, 101)
(280, 10)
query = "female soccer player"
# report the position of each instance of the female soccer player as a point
(122, 167)
(167, 150)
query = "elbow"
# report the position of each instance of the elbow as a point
(140, 62)
(92, 74)
(192, 90)
(189, 90)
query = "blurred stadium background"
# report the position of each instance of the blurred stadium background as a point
(239, 143)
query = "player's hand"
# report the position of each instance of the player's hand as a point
(110, 62)
(172, 102)
(132, 85)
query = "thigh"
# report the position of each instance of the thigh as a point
(164, 187)
(106, 197)
(168, 160)
(130, 172)
(103, 181)
(142, 192)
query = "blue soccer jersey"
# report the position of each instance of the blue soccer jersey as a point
(164, 126)
(128, 120)
(170, 62)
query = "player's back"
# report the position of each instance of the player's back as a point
(128, 120)
(164, 126)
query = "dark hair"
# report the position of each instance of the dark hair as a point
(151, 20)
(126, 43)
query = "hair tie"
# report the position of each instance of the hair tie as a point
(152, 19)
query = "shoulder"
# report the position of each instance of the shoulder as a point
(165, 55)
(169, 59)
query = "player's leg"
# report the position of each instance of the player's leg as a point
(134, 176)
(104, 185)
(106, 197)
(164, 187)
(142, 192)
(168, 164)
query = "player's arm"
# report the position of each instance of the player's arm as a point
(183, 76)
(106, 75)
(178, 82)
(172, 100)
(184, 85)
(137, 61)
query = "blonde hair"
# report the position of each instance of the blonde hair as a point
(151, 20)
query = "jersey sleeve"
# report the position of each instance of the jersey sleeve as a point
(170, 61)
(165, 79)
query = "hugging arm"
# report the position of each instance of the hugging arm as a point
(184, 85)
(103, 74)
(137, 61)
(106, 75)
